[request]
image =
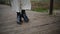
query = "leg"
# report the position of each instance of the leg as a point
(24, 16)
(16, 7)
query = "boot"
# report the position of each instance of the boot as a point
(19, 19)
(24, 16)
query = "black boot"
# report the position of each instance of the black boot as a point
(24, 16)
(19, 19)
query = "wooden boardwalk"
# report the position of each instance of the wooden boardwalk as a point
(40, 23)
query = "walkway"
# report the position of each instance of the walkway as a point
(40, 23)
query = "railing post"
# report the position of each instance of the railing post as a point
(51, 7)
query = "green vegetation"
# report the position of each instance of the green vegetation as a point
(40, 10)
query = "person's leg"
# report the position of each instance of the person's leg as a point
(24, 16)
(16, 7)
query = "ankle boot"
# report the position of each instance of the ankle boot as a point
(19, 19)
(24, 16)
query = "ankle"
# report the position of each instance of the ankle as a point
(18, 13)
(23, 11)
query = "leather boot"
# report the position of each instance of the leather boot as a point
(19, 19)
(24, 16)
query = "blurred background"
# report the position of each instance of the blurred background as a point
(38, 5)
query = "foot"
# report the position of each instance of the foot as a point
(19, 20)
(25, 18)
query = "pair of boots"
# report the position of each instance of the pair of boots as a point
(20, 16)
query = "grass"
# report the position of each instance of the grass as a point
(40, 10)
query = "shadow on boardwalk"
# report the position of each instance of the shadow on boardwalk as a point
(40, 23)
